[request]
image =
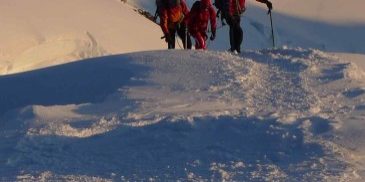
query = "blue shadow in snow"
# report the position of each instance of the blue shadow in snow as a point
(354, 92)
(86, 81)
(171, 150)
(336, 72)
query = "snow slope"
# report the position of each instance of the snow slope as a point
(40, 33)
(328, 25)
(287, 114)
(267, 115)
(36, 37)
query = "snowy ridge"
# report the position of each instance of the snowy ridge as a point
(48, 53)
(40, 33)
(264, 115)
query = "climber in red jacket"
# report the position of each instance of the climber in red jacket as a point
(231, 10)
(201, 12)
(173, 18)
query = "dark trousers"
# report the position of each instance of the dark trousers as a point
(235, 32)
(180, 30)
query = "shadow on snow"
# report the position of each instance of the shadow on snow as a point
(172, 150)
(86, 81)
(247, 148)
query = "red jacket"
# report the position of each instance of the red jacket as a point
(199, 17)
(236, 7)
(171, 16)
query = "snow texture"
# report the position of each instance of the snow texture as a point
(39, 33)
(79, 101)
(185, 115)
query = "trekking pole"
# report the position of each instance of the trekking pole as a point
(272, 30)
(178, 43)
(186, 38)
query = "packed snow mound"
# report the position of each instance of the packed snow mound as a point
(40, 33)
(186, 115)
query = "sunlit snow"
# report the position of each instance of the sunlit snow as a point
(87, 94)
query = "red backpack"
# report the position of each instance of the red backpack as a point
(167, 3)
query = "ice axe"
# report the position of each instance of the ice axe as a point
(272, 29)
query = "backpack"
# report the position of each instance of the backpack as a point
(195, 6)
(219, 4)
(173, 3)
(177, 16)
(167, 3)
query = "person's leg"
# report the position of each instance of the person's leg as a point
(182, 32)
(238, 34)
(171, 42)
(202, 38)
(199, 41)
(232, 42)
(235, 32)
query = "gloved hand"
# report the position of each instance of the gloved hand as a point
(269, 5)
(167, 38)
(212, 37)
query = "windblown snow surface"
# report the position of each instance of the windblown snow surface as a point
(72, 111)
(269, 115)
